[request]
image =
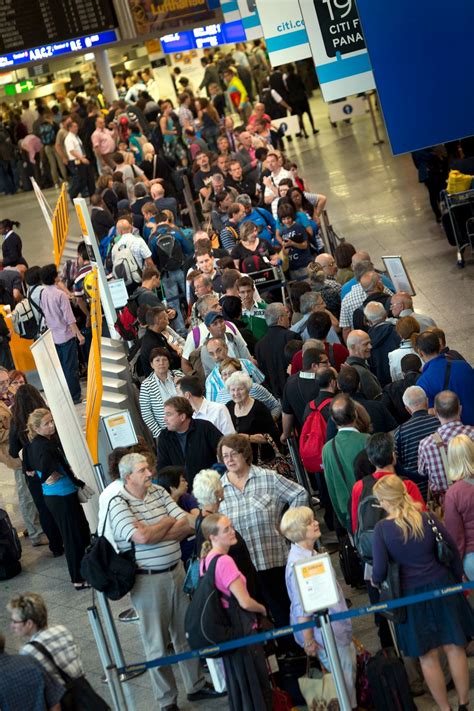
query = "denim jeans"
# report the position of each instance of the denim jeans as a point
(468, 564)
(68, 356)
(174, 287)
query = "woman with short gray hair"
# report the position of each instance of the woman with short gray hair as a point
(251, 417)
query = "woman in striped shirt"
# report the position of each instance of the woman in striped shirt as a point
(156, 389)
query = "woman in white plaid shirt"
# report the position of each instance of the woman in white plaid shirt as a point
(254, 500)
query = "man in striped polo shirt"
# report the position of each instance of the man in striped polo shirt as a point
(409, 435)
(146, 515)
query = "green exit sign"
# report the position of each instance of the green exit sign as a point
(19, 88)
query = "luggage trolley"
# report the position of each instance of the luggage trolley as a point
(459, 207)
(271, 279)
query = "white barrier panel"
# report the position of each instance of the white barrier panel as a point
(65, 418)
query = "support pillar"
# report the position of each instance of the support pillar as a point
(106, 77)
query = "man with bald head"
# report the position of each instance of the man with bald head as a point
(384, 339)
(369, 286)
(432, 452)
(402, 305)
(360, 348)
(358, 257)
(157, 192)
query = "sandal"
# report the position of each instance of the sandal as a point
(81, 586)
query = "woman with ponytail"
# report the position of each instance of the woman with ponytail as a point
(245, 669)
(407, 537)
(44, 458)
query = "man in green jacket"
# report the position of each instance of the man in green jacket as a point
(339, 454)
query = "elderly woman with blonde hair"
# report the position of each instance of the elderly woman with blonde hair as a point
(459, 499)
(300, 527)
(208, 490)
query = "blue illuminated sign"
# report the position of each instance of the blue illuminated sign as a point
(203, 37)
(48, 51)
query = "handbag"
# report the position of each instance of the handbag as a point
(106, 570)
(363, 691)
(444, 554)
(191, 579)
(318, 689)
(281, 464)
(85, 493)
(79, 695)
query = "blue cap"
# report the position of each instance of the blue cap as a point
(210, 317)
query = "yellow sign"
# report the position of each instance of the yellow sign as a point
(60, 225)
(94, 370)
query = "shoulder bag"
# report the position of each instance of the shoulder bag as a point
(106, 570)
(444, 554)
(79, 695)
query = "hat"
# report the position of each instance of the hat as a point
(210, 317)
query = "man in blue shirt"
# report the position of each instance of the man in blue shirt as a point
(259, 216)
(440, 374)
(362, 257)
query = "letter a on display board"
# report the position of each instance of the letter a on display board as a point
(338, 47)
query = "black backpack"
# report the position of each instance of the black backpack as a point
(206, 621)
(167, 252)
(10, 548)
(351, 565)
(369, 513)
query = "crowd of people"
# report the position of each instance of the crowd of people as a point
(242, 335)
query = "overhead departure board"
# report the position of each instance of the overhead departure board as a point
(30, 23)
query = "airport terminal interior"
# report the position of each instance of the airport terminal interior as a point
(376, 202)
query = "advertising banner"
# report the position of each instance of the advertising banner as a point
(338, 47)
(250, 18)
(284, 31)
(230, 10)
(152, 16)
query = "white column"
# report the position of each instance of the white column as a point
(106, 77)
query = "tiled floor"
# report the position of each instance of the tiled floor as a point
(374, 201)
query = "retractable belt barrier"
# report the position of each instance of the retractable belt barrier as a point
(284, 631)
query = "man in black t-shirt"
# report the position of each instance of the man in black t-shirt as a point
(202, 179)
(301, 389)
(236, 180)
(157, 322)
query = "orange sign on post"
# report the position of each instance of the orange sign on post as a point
(60, 224)
(94, 368)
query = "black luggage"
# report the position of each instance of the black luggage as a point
(351, 565)
(389, 684)
(10, 548)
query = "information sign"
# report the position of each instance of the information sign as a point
(338, 47)
(316, 583)
(201, 37)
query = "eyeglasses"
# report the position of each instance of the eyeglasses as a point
(230, 455)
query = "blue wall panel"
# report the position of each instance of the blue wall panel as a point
(422, 57)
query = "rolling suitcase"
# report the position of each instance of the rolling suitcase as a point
(301, 473)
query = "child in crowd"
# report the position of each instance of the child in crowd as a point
(295, 243)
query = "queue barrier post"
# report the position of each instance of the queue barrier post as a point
(110, 669)
(333, 655)
(117, 653)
